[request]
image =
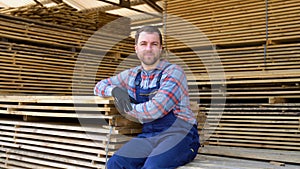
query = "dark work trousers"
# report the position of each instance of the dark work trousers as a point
(164, 143)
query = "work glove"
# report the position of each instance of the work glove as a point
(121, 100)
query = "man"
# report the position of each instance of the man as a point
(155, 94)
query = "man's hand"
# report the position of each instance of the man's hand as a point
(121, 100)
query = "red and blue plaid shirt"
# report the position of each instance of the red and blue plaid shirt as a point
(172, 94)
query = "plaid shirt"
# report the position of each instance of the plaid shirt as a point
(172, 94)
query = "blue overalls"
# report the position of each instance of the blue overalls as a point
(164, 143)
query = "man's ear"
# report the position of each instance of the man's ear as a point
(162, 50)
(135, 48)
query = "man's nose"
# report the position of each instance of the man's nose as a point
(148, 47)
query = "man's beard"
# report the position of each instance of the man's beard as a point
(149, 60)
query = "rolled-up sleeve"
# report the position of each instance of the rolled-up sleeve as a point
(104, 87)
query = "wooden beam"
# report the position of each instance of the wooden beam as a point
(37, 2)
(153, 5)
(125, 3)
(57, 1)
(137, 10)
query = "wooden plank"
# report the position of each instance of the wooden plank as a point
(52, 151)
(219, 162)
(41, 162)
(57, 99)
(14, 164)
(252, 153)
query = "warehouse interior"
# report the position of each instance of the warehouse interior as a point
(241, 59)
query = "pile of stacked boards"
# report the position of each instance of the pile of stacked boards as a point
(49, 117)
(242, 58)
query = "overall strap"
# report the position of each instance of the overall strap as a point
(143, 95)
(138, 78)
(160, 75)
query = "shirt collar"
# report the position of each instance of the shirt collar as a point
(161, 65)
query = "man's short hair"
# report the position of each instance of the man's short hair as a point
(148, 29)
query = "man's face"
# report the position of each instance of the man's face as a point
(148, 49)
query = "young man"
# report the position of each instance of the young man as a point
(155, 94)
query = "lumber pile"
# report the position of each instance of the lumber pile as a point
(223, 22)
(39, 58)
(246, 72)
(48, 118)
(227, 23)
(242, 61)
(60, 131)
(68, 38)
(255, 125)
(250, 47)
(282, 25)
(62, 14)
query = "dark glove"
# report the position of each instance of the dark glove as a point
(121, 100)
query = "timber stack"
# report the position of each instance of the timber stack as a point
(62, 14)
(242, 59)
(50, 61)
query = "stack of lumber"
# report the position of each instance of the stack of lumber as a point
(40, 128)
(223, 22)
(44, 131)
(242, 61)
(255, 125)
(43, 126)
(251, 47)
(246, 72)
(42, 33)
(40, 58)
(63, 14)
(282, 22)
(233, 22)
(61, 131)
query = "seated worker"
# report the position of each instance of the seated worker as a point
(156, 95)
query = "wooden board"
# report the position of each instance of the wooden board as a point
(255, 127)
(219, 162)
